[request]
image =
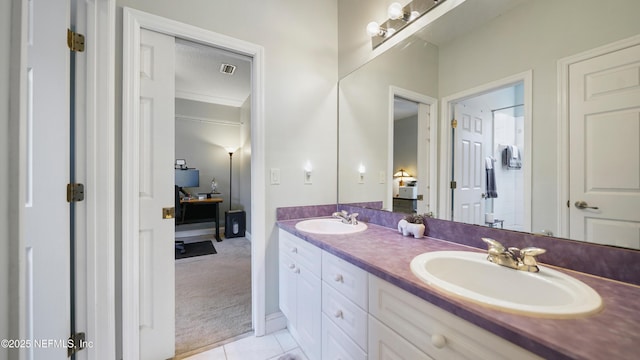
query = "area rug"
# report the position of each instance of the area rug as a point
(213, 295)
(196, 249)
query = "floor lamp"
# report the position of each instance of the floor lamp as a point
(230, 150)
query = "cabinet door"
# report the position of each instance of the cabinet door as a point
(385, 344)
(308, 313)
(287, 277)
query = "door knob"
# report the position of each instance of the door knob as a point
(584, 205)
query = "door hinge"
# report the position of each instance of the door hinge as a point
(75, 41)
(75, 192)
(453, 185)
(454, 123)
(75, 343)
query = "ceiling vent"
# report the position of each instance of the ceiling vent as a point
(227, 69)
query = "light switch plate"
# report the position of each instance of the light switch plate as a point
(275, 176)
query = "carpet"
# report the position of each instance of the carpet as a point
(213, 295)
(196, 249)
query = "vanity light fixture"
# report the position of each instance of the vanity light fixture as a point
(399, 17)
(307, 173)
(361, 171)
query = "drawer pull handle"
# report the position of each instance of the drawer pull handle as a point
(292, 266)
(294, 250)
(338, 314)
(438, 341)
(338, 278)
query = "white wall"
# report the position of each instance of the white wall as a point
(300, 42)
(525, 39)
(5, 50)
(244, 164)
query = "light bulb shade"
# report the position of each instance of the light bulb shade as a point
(401, 173)
(395, 11)
(373, 29)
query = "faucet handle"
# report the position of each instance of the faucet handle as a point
(528, 255)
(495, 248)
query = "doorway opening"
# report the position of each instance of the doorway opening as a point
(139, 309)
(212, 127)
(487, 144)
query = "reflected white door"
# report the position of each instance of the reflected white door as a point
(604, 115)
(424, 142)
(46, 210)
(469, 171)
(156, 237)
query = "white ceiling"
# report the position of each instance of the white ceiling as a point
(198, 75)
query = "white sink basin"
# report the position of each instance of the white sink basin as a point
(329, 226)
(548, 293)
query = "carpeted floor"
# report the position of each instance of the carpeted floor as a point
(213, 295)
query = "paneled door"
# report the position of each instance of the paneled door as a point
(469, 170)
(156, 192)
(46, 298)
(604, 126)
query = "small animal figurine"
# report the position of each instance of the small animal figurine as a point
(407, 228)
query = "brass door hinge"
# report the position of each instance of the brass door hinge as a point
(75, 343)
(169, 213)
(75, 192)
(75, 41)
(454, 123)
(453, 185)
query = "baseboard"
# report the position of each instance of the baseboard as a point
(195, 232)
(275, 322)
(247, 235)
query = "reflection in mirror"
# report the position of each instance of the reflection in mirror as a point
(461, 51)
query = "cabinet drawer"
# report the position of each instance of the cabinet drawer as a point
(348, 279)
(301, 252)
(385, 344)
(345, 314)
(434, 331)
(336, 345)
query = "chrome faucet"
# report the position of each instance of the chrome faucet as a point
(519, 259)
(346, 217)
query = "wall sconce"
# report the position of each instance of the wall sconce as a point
(307, 173)
(361, 171)
(399, 18)
(401, 174)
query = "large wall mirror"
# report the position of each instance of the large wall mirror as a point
(516, 158)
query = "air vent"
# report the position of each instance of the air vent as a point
(227, 69)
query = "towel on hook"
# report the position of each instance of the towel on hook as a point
(491, 178)
(511, 157)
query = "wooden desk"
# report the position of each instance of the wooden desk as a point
(215, 202)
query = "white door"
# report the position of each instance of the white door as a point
(424, 141)
(469, 170)
(604, 126)
(308, 314)
(46, 210)
(156, 237)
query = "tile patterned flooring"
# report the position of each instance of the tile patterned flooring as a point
(279, 345)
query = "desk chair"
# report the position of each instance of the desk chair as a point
(178, 217)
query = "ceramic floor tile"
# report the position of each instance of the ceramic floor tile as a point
(294, 354)
(253, 348)
(286, 340)
(213, 354)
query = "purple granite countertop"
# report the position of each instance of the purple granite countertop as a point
(613, 333)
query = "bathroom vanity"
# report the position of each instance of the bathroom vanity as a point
(354, 297)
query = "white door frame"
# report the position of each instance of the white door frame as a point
(445, 148)
(95, 294)
(431, 148)
(563, 123)
(133, 20)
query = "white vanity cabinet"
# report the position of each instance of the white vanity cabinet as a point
(300, 291)
(344, 309)
(427, 329)
(336, 310)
